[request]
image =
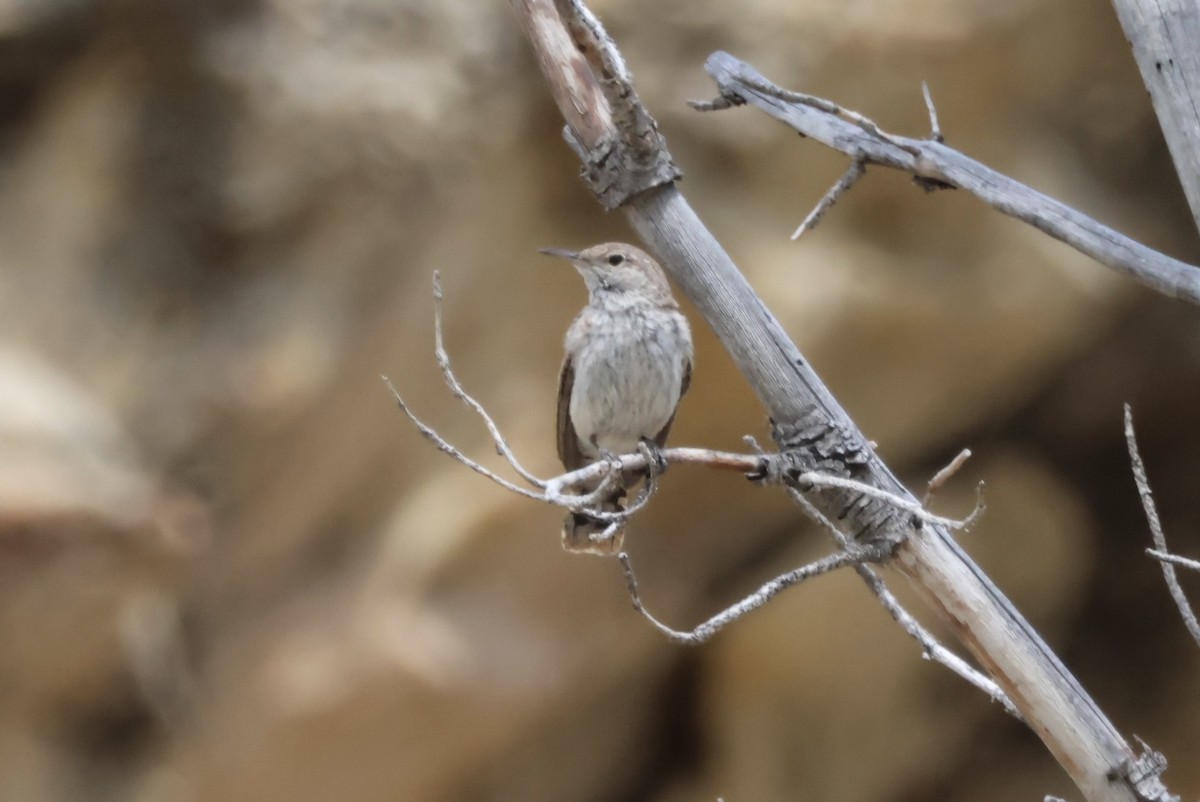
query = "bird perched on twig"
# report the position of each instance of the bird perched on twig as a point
(628, 362)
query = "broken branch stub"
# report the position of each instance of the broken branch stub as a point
(622, 151)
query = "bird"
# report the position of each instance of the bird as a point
(628, 362)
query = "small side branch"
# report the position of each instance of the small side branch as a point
(1174, 559)
(935, 130)
(935, 165)
(919, 513)
(941, 477)
(850, 556)
(931, 649)
(849, 178)
(1166, 561)
(443, 360)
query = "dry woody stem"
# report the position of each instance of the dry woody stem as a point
(1166, 560)
(934, 165)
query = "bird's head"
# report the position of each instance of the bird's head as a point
(616, 271)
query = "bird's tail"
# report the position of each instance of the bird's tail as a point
(587, 534)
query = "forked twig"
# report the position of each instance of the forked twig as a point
(931, 648)
(852, 555)
(1174, 559)
(1156, 530)
(914, 508)
(937, 166)
(854, 172)
(443, 359)
(443, 445)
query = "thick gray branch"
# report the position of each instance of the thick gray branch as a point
(812, 428)
(1165, 37)
(935, 163)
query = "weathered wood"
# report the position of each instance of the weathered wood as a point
(1165, 37)
(931, 160)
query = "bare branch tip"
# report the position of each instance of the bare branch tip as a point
(854, 172)
(719, 103)
(935, 130)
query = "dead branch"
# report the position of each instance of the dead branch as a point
(1163, 36)
(813, 431)
(854, 172)
(852, 555)
(1175, 559)
(931, 649)
(452, 382)
(1166, 561)
(935, 165)
(849, 554)
(941, 477)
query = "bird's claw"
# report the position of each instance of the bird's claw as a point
(656, 463)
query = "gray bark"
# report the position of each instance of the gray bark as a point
(1165, 38)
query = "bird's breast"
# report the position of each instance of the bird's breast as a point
(629, 370)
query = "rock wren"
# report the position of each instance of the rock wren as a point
(628, 362)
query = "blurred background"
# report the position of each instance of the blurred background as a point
(229, 568)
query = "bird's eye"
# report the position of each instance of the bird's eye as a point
(616, 259)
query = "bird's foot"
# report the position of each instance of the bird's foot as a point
(616, 473)
(656, 463)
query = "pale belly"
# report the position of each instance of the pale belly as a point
(626, 389)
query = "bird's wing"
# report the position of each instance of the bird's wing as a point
(568, 441)
(661, 437)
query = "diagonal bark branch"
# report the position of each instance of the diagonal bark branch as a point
(1164, 36)
(936, 165)
(817, 434)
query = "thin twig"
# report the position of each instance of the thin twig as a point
(944, 475)
(721, 460)
(849, 554)
(701, 633)
(911, 506)
(555, 487)
(935, 130)
(931, 648)
(432, 436)
(1156, 530)
(1174, 559)
(443, 360)
(849, 178)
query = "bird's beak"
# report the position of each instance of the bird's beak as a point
(562, 253)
